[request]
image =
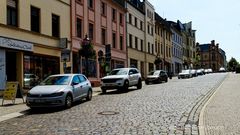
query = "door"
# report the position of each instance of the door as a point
(84, 86)
(2, 69)
(76, 87)
(11, 69)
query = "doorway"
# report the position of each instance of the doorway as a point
(11, 66)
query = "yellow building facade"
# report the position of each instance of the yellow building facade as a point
(33, 33)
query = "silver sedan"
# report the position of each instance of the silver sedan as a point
(59, 90)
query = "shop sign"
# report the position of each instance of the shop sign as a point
(63, 43)
(2, 69)
(65, 55)
(16, 44)
(11, 92)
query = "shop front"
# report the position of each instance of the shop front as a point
(24, 62)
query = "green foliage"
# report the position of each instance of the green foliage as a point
(87, 51)
(232, 64)
(238, 69)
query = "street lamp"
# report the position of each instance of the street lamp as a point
(86, 51)
(157, 61)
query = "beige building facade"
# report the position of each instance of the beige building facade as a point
(30, 34)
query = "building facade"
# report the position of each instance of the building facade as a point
(136, 35)
(103, 21)
(163, 42)
(32, 36)
(211, 56)
(177, 47)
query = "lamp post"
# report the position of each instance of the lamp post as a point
(157, 61)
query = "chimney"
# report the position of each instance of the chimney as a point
(213, 42)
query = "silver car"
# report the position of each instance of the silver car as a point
(121, 78)
(59, 90)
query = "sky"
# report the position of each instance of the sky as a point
(217, 20)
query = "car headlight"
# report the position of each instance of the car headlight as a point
(56, 94)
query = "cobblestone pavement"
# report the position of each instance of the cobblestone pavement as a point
(153, 110)
(221, 115)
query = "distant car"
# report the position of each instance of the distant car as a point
(30, 80)
(157, 76)
(200, 72)
(185, 74)
(194, 73)
(121, 79)
(210, 70)
(222, 69)
(59, 90)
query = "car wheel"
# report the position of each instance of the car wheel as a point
(89, 95)
(68, 101)
(139, 85)
(104, 91)
(126, 85)
(166, 80)
(146, 82)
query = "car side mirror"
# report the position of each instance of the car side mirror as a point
(130, 73)
(74, 83)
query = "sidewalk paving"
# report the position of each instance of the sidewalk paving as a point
(10, 110)
(220, 115)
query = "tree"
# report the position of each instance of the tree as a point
(87, 51)
(232, 64)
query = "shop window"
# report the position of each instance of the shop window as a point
(12, 15)
(35, 19)
(55, 26)
(133, 63)
(150, 67)
(37, 68)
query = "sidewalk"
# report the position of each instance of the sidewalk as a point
(9, 110)
(220, 115)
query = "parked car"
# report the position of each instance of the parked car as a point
(157, 76)
(30, 80)
(193, 72)
(210, 70)
(222, 69)
(200, 72)
(185, 74)
(121, 78)
(59, 90)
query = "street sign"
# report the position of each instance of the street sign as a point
(65, 55)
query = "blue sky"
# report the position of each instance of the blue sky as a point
(217, 20)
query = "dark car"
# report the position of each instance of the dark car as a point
(156, 76)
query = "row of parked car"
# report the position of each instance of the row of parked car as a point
(64, 89)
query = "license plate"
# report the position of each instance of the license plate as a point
(39, 100)
(109, 84)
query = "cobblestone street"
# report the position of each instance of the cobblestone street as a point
(155, 109)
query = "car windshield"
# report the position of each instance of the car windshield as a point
(154, 73)
(119, 72)
(56, 80)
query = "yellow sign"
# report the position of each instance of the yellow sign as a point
(11, 91)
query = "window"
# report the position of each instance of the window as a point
(55, 26)
(161, 49)
(156, 49)
(121, 19)
(79, 28)
(12, 15)
(150, 67)
(103, 36)
(75, 79)
(141, 45)
(148, 47)
(90, 3)
(121, 42)
(90, 31)
(114, 40)
(82, 78)
(130, 18)
(103, 8)
(141, 25)
(148, 29)
(130, 40)
(152, 48)
(35, 19)
(136, 42)
(151, 30)
(136, 22)
(114, 14)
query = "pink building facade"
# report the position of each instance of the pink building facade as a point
(104, 23)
